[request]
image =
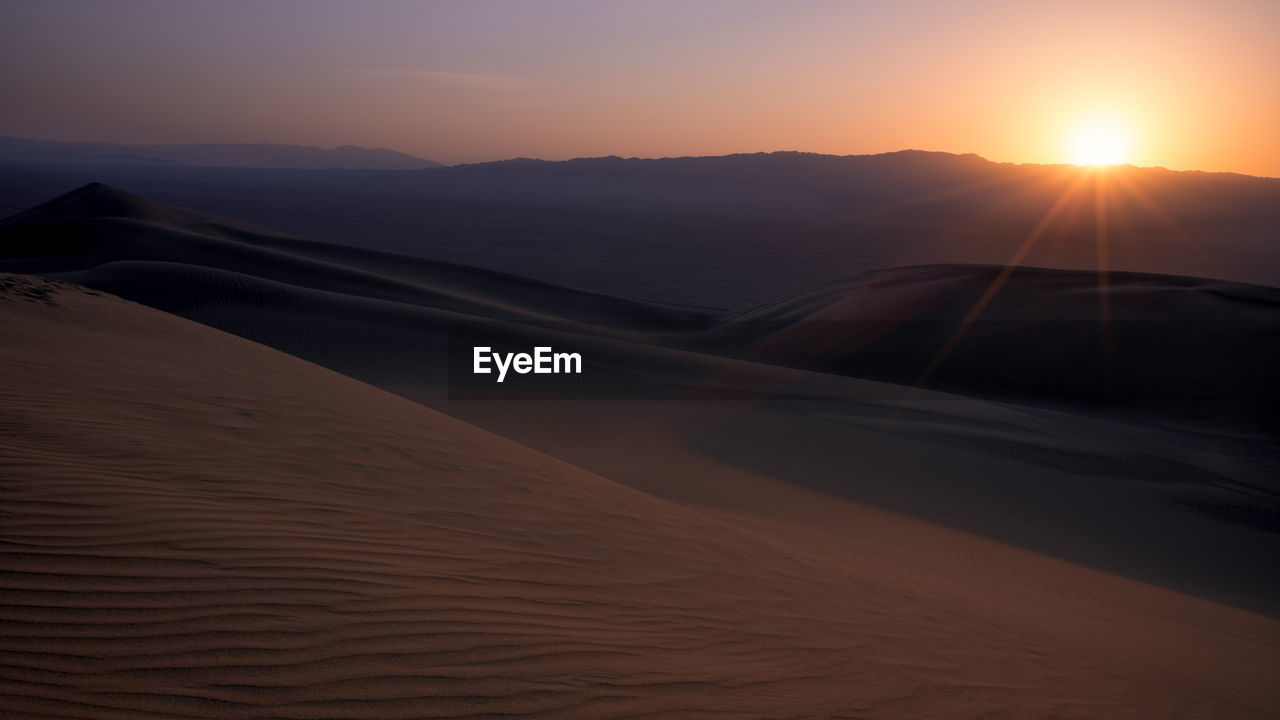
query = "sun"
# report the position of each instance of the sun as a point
(1100, 143)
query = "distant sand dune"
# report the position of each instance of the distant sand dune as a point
(98, 224)
(1155, 461)
(198, 526)
(1165, 347)
(1181, 349)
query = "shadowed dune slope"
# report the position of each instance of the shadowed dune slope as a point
(1166, 347)
(96, 224)
(198, 526)
(1169, 348)
(96, 200)
(1173, 483)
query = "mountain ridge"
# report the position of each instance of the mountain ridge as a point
(254, 155)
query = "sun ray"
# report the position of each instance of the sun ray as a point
(1014, 261)
(1153, 209)
(949, 193)
(1101, 189)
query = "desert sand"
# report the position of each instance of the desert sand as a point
(237, 484)
(1144, 447)
(199, 526)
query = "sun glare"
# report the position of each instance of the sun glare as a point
(1100, 143)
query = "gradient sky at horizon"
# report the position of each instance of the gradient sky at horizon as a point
(1197, 83)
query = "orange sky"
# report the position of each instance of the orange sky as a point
(1196, 83)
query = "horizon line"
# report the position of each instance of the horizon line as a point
(444, 166)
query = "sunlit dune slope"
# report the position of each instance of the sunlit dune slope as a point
(197, 526)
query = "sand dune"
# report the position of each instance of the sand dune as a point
(1179, 348)
(1184, 349)
(198, 526)
(96, 225)
(1179, 471)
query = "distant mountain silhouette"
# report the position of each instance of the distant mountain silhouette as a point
(814, 169)
(210, 155)
(906, 175)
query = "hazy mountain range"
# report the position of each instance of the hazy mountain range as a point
(259, 155)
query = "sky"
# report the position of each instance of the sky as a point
(1184, 85)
